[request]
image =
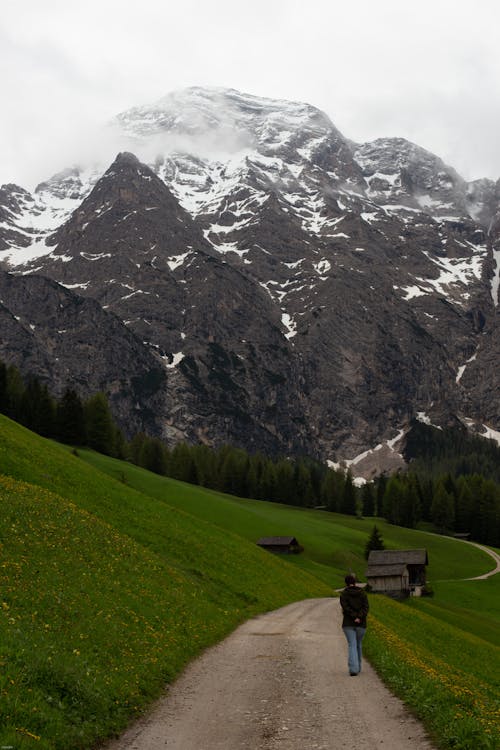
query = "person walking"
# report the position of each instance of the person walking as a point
(354, 603)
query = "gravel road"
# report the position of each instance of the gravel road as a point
(280, 681)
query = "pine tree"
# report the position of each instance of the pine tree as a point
(409, 502)
(332, 490)
(375, 541)
(465, 504)
(285, 481)
(304, 491)
(368, 499)
(99, 425)
(349, 496)
(136, 446)
(204, 460)
(381, 485)
(3, 389)
(122, 450)
(233, 472)
(70, 419)
(443, 508)
(182, 465)
(487, 513)
(269, 482)
(152, 456)
(254, 479)
(391, 504)
(15, 390)
(37, 409)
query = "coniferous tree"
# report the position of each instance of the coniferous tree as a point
(381, 485)
(99, 425)
(409, 504)
(391, 503)
(375, 541)
(443, 508)
(285, 480)
(269, 483)
(252, 479)
(233, 472)
(255, 471)
(152, 456)
(15, 390)
(332, 490)
(304, 491)
(70, 419)
(204, 460)
(349, 496)
(122, 450)
(3, 389)
(135, 447)
(465, 505)
(182, 465)
(368, 499)
(37, 409)
(486, 520)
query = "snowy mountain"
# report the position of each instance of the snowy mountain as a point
(299, 292)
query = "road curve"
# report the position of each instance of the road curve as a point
(279, 681)
(491, 553)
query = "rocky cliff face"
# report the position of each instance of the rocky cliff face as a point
(299, 293)
(67, 340)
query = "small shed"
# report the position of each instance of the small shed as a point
(287, 545)
(397, 573)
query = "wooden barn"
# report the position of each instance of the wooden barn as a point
(397, 573)
(286, 545)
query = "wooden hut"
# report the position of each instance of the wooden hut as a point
(398, 573)
(287, 545)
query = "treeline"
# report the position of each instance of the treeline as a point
(452, 451)
(302, 482)
(90, 423)
(68, 419)
(453, 481)
(468, 504)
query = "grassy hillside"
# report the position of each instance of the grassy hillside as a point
(333, 543)
(441, 655)
(112, 578)
(107, 593)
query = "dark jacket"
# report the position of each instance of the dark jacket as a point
(354, 603)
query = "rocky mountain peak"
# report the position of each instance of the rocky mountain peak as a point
(398, 171)
(302, 294)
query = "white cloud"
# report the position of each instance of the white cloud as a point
(428, 71)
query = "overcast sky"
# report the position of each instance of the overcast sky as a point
(428, 71)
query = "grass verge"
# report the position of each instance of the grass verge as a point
(448, 674)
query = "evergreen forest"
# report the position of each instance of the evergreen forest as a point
(452, 481)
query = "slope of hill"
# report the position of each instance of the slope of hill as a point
(333, 543)
(113, 578)
(107, 593)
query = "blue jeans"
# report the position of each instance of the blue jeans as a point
(354, 637)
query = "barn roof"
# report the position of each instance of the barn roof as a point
(398, 556)
(374, 571)
(277, 541)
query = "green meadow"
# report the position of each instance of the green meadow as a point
(333, 543)
(113, 578)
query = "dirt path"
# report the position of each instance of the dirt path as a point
(491, 553)
(279, 681)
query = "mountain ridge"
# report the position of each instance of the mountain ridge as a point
(302, 293)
